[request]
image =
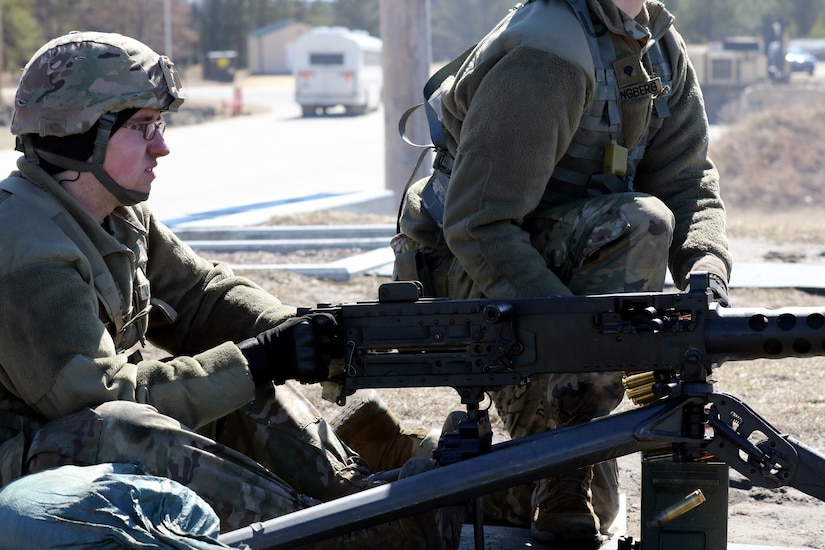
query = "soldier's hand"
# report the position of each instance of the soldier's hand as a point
(301, 348)
(719, 289)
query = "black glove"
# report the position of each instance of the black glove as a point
(719, 289)
(300, 348)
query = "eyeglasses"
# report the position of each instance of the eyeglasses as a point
(148, 128)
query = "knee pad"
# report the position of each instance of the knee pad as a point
(646, 213)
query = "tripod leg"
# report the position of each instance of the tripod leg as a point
(755, 449)
(510, 463)
(478, 524)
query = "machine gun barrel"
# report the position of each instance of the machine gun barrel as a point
(759, 333)
(402, 340)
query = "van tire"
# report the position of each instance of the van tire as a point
(309, 110)
(356, 109)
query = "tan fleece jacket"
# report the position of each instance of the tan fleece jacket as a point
(58, 352)
(510, 114)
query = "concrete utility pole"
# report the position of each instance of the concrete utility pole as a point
(167, 29)
(2, 54)
(405, 31)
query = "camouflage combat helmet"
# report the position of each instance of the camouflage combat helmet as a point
(82, 78)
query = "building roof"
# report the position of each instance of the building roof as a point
(359, 37)
(276, 26)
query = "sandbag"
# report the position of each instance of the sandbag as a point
(105, 506)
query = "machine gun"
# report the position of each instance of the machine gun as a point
(668, 344)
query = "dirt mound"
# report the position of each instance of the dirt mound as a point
(773, 160)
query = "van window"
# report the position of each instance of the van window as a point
(326, 59)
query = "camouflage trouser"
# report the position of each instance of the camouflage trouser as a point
(611, 243)
(272, 457)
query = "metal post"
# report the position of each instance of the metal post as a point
(167, 28)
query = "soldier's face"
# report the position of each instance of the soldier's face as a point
(630, 7)
(130, 158)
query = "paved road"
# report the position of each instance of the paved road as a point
(263, 160)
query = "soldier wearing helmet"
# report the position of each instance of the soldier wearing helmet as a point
(88, 274)
(85, 85)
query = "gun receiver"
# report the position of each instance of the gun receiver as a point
(402, 340)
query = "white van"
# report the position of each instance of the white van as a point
(336, 66)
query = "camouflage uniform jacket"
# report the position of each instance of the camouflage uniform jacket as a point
(510, 115)
(75, 295)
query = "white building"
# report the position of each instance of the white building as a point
(267, 47)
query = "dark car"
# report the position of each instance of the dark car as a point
(800, 61)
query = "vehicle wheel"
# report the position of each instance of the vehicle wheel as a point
(356, 109)
(309, 110)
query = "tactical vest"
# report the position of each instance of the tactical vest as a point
(602, 122)
(599, 127)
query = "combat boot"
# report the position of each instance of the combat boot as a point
(563, 515)
(353, 478)
(368, 426)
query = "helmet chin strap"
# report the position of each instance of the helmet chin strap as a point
(126, 197)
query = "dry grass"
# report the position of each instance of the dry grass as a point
(774, 161)
(331, 217)
(794, 225)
